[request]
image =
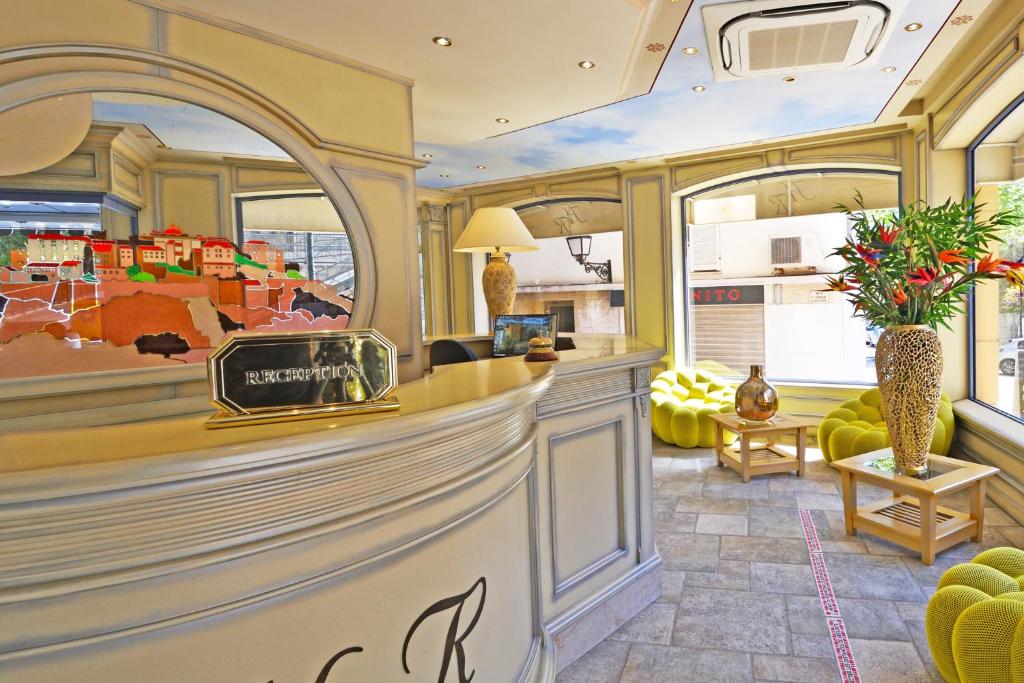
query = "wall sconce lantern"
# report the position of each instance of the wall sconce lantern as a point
(579, 247)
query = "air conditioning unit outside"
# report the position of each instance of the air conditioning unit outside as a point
(777, 38)
(791, 253)
(703, 250)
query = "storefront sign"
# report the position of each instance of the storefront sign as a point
(725, 296)
(271, 377)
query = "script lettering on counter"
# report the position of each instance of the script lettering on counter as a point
(454, 639)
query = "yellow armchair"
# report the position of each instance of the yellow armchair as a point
(683, 401)
(975, 619)
(857, 427)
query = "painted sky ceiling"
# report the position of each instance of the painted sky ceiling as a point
(673, 119)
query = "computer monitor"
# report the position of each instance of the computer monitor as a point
(512, 333)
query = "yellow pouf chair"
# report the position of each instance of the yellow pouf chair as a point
(857, 427)
(975, 619)
(683, 402)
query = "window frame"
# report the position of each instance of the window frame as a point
(685, 261)
(972, 336)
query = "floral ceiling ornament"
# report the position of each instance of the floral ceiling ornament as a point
(962, 20)
(915, 81)
(655, 47)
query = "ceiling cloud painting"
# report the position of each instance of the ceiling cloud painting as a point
(676, 118)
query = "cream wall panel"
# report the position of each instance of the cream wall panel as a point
(60, 21)
(193, 200)
(648, 260)
(688, 174)
(126, 180)
(504, 197)
(251, 178)
(462, 283)
(588, 526)
(607, 186)
(87, 169)
(338, 103)
(879, 150)
(386, 201)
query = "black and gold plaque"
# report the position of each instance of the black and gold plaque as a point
(256, 378)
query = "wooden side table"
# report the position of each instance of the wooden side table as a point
(751, 459)
(912, 518)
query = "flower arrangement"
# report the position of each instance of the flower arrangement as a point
(917, 268)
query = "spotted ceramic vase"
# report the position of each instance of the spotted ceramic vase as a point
(908, 363)
(499, 286)
(756, 400)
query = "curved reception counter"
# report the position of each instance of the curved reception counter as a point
(498, 526)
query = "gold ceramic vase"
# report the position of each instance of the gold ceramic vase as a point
(499, 284)
(908, 363)
(756, 400)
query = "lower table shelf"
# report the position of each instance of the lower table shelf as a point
(899, 520)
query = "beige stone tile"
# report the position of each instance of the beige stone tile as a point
(666, 664)
(757, 549)
(733, 525)
(887, 661)
(603, 664)
(652, 625)
(792, 579)
(689, 552)
(795, 669)
(718, 506)
(671, 585)
(733, 620)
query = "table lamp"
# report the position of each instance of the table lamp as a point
(495, 231)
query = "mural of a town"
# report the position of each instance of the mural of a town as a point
(80, 303)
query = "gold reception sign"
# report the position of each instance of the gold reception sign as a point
(256, 378)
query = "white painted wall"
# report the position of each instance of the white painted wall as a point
(746, 245)
(554, 265)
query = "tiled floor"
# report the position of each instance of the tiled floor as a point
(739, 602)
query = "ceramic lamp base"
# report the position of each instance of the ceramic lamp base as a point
(499, 283)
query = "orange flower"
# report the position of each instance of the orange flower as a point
(899, 297)
(922, 276)
(838, 284)
(889, 235)
(869, 255)
(989, 264)
(952, 256)
(1015, 279)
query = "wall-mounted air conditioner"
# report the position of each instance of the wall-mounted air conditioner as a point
(703, 251)
(795, 253)
(777, 38)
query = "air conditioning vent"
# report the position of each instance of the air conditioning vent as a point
(786, 251)
(773, 38)
(704, 254)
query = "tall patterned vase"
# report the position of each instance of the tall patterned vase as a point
(908, 363)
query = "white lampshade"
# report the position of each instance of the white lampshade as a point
(496, 229)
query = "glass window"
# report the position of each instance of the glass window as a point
(578, 270)
(998, 310)
(309, 232)
(757, 254)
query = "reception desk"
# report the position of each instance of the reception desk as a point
(500, 523)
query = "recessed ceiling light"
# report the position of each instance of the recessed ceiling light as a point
(427, 155)
(698, 88)
(586, 64)
(501, 119)
(442, 41)
(913, 26)
(888, 69)
(789, 79)
(446, 175)
(480, 167)
(690, 50)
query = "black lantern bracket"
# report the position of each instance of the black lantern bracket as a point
(579, 247)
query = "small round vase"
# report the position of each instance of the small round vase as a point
(756, 400)
(908, 363)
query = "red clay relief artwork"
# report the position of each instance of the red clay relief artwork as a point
(84, 303)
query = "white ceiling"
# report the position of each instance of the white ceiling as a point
(502, 50)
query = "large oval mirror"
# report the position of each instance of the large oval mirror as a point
(168, 228)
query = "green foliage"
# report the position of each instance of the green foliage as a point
(176, 269)
(295, 275)
(136, 274)
(917, 268)
(243, 260)
(8, 243)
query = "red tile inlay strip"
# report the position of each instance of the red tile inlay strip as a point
(836, 628)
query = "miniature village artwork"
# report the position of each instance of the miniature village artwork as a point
(77, 303)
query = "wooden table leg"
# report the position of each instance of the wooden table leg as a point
(978, 509)
(719, 443)
(849, 501)
(927, 505)
(745, 457)
(801, 449)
